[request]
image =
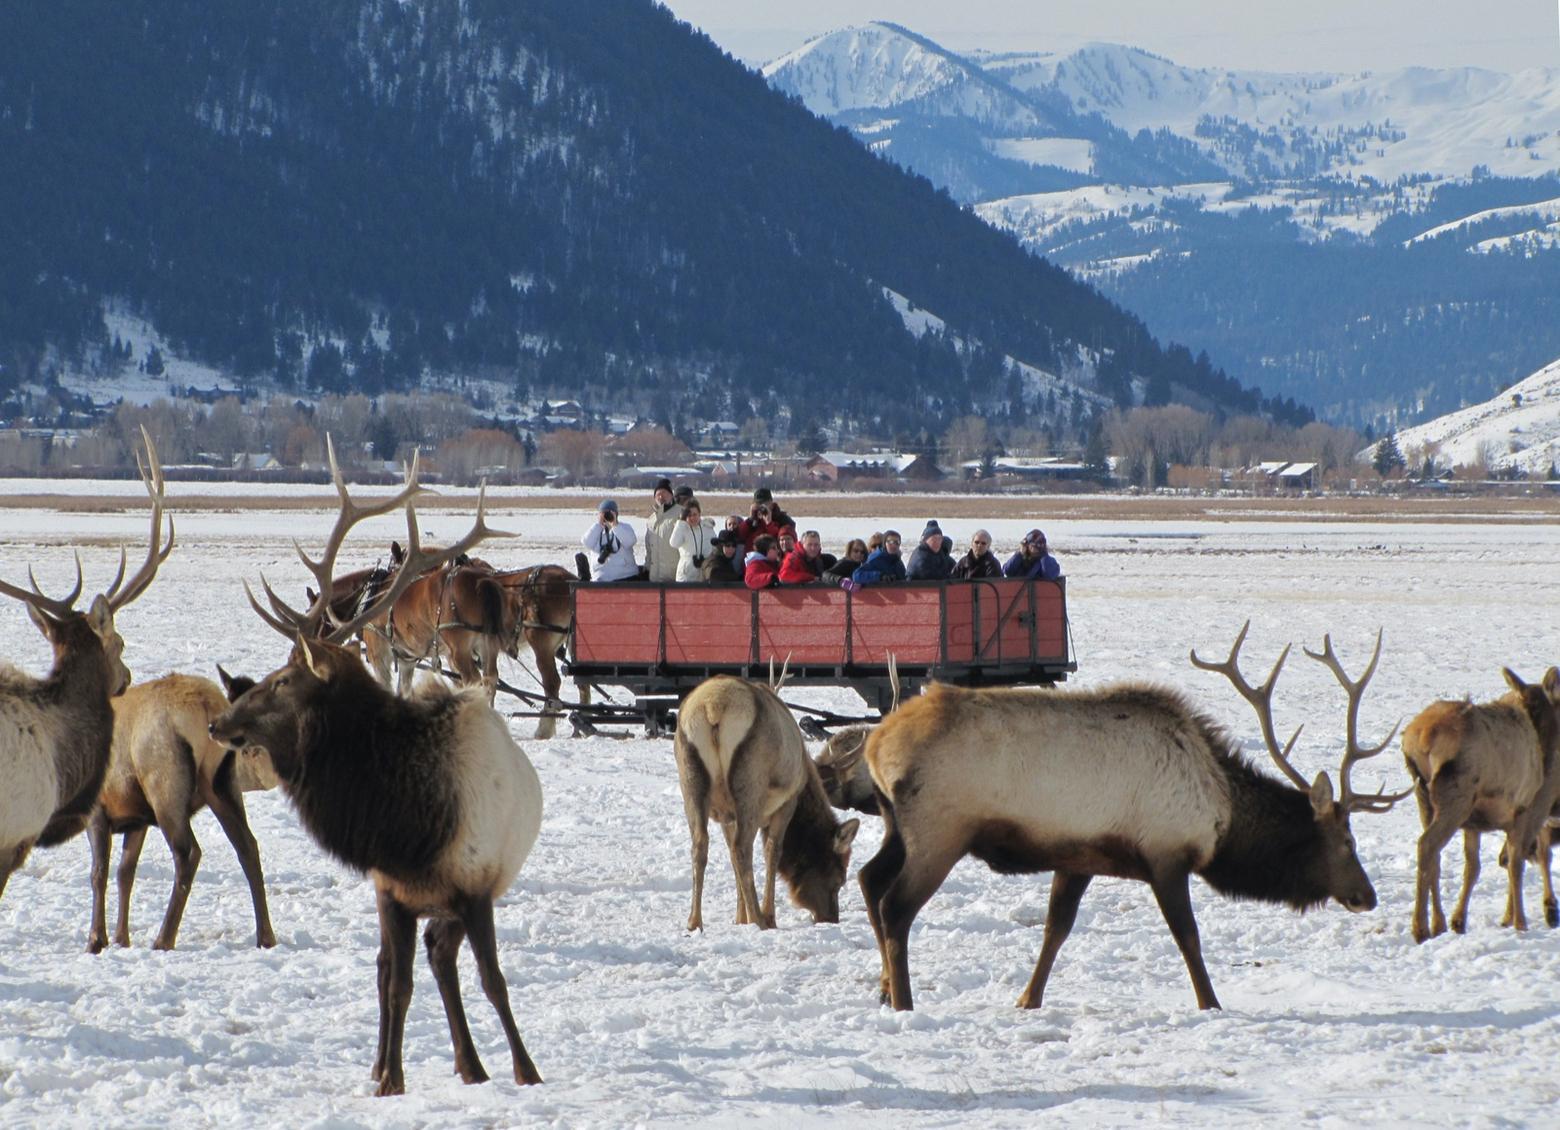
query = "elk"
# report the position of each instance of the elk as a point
(1127, 781)
(741, 758)
(429, 795)
(55, 732)
(1482, 767)
(163, 767)
(842, 763)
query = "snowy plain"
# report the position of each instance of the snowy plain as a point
(1329, 1018)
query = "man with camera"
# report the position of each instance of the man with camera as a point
(613, 544)
(765, 518)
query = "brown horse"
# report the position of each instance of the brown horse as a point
(470, 613)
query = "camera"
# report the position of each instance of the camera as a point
(609, 519)
(698, 559)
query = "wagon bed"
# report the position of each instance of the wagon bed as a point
(662, 640)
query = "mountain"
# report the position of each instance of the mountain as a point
(1519, 429)
(1381, 246)
(588, 199)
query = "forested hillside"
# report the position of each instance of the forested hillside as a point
(353, 194)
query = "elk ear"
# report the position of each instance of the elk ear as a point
(844, 764)
(1513, 680)
(1552, 683)
(397, 554)
(1321, 795)
(101, 616)
(44, 625)
(845, 835)
(314, 658)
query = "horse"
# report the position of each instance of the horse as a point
(539, 609)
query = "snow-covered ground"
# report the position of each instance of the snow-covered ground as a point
(1330, 1018)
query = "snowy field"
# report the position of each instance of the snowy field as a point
(1330, 1018)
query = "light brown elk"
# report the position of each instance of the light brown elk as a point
(428, 794)
(1128, 781)
(55, 732)
(163, 768)
(741, 759)
(1482, 767)
(842, 762)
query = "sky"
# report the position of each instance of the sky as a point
(1280, 35)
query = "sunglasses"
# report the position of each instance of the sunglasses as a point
(980, 541)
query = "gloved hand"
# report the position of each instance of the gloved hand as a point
(848, 585)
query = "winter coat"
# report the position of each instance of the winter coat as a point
(927, 564)
(841, 569)
(718, 569)
(660, 555)
(879, 566)
(761, 573)
(692, 546)
(1045, 567)
(972, 568)
(799, 569)
(614, 550)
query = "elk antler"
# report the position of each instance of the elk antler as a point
(1261, 699)
(59, 608)
(157, 553)
(893, 677)
(1347, 799)
(416, 562)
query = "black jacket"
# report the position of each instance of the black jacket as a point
(972, 568)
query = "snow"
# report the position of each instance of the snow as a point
(1330, 1018)
(1064, 152)
(1519, 427)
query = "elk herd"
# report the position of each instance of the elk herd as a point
(424, 789)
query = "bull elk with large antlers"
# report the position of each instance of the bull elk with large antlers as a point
(429, 794)
(55, 732)
(1129, 781)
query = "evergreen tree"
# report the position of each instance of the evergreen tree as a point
(1389, 457)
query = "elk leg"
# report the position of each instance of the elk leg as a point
(774, 836)
(101, 842)
(694, 780)
(916, 882)
(1173, 891)
(10, 864)
(874, 878)
(1516, 862)
(478, 917)
(226, 802)
(130, 845)
(1422, 799)
(739, 843)
(398, 938)
(1470, 876)
(1066, 893)
(1452, 805)
(186, 860)
(442, 937)
(1545, 850)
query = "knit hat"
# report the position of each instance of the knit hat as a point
(1034, 537)
(682, 493)
(663, 484)
(932, 530)
(605, 505)
(762, 495)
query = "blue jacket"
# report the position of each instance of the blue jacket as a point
(880, 566)
(1045, 567)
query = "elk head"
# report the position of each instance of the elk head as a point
(815, 881)
(1339, 873)
(71, 631)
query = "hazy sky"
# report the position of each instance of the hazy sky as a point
(1338, 35)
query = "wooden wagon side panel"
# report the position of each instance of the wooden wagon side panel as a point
(903, 621)
(804, 625)
(959, 622)
(616, 625)
(1020, 621)
(708, 626)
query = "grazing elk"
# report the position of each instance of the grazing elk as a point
(55, 732)
(1482, 767)
(164, 766)
(842, 762)
(741, 759)
(429, 794)
(1128, 781)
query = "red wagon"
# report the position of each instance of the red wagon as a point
(663, 640)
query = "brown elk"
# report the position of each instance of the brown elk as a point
(1128, 781)
(429, 794)
(55, 732)
(163, 767)
(741, 759)
(842, 762)
(1482, 767)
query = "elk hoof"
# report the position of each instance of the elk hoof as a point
(1551, 915)
(1459, 925)
(97, 945)
(471, 1072)
(1420, 933)
(1026, 1001)
(162, 944)
(265, 940)
(388, 1086)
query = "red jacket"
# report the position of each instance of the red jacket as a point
(761, 573)
(753, 529)
(799, 569)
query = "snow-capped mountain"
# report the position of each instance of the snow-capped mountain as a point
(1518, 428)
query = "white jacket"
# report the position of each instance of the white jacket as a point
(620, 564)
(660, 557)
(691, 543)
